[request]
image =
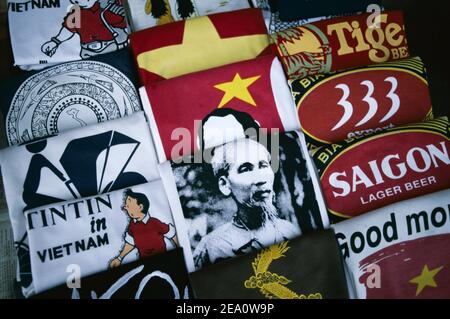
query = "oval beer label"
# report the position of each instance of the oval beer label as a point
(334, 108)
(385, 168)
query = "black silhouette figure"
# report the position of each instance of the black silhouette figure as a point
(81, 163)
(30, 196)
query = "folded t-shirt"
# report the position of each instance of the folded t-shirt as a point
(97, 233)
(372, 170)
(243, 196)
(345, 104)
(201, 43)
(308, 267)
(399, 251)
(340, 43)
(218, 105)
(92, 160)
(162, 276)
(70, 95)
(49, 32)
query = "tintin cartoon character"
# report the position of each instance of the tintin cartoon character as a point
(101, 29)
(144, 233)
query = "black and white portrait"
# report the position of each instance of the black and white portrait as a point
(237, 203)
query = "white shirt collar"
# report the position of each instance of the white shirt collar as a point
(144, 220)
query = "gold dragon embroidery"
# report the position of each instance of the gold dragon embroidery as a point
(271, 285)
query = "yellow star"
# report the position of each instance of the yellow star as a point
(238, 88)
(201, 49)
(426, 278)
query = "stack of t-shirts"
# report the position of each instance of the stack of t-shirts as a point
(92, 160)
(340, 43)
(99, 232)
(149, 13)
(309, 267)
(70, 95)
(50, 32)
(243, 197)
(160, 276)
(399, 251)
(197, 44)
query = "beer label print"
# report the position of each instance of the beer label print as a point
(341, 43)
(368, 172)
(350, 103)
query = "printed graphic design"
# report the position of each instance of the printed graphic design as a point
(398, 251)
(312, 56)
(341, 43)
(111, 229)
(160, 276)
(78, 163)
(334, 107)
(236, 205)
(368, 172)
(272, 285)
(424, 273)
(199, 44)
(56, 31)
(149, 13)
(145, 233)
(68, 96)
(94, 175)
(100, 29)
(307, 267)
(227, 101)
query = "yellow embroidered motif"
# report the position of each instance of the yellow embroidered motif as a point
(270, 284)
(202, 48)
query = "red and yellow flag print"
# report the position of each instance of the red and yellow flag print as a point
(418, 268)
(244, 86)
(183, 47)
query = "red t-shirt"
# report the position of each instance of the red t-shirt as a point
(91, 27)
(149, 237)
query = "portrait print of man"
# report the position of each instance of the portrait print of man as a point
(243, 171)
(145, 233)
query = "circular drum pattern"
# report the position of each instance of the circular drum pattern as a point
(68, 96)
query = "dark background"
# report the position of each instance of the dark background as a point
(426, 26)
